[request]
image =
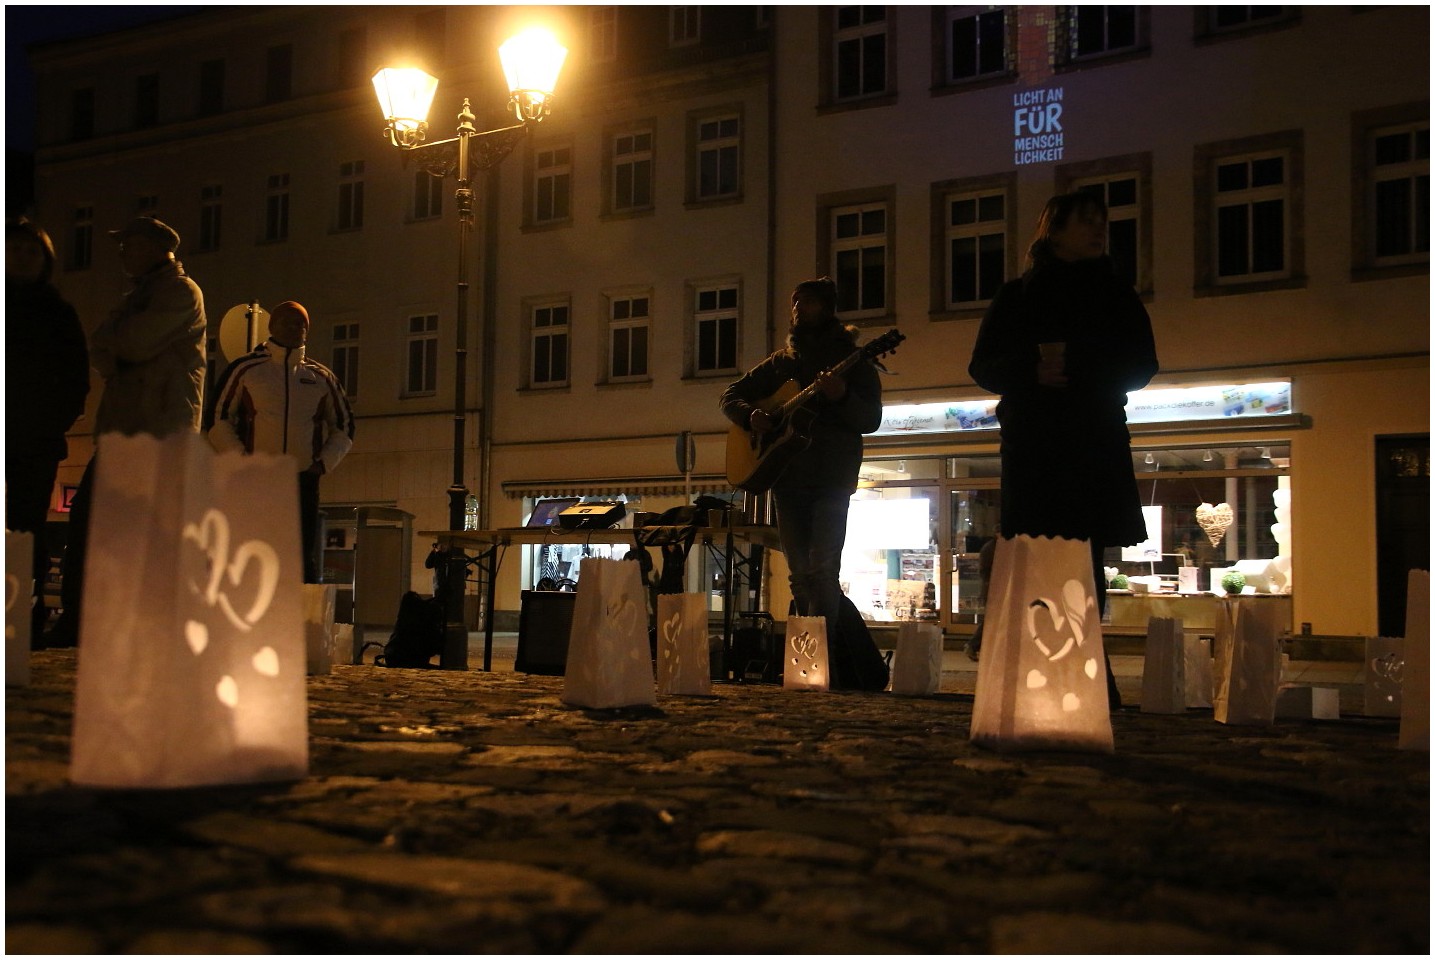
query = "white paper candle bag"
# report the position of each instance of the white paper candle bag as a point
(917, 665)
(683, 665)
(191, 659)
(1384, 673)
(1248, 662)
(1163, 679)
(1415, 686)
(19, 591)
(1041, 681)
(609, 661)
(804, 659)
(318, 628)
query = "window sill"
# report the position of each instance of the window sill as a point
(1393, 271)
(423, 395)
(857, 103)
(1230, 289)
(546, 225)
(629, 214)
(1142, 52)
(630, 382)
(969, 84)
(704, 203)
(271, 241)
(965, 313)
(537, 388)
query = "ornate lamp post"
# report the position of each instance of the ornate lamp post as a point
(531, 63)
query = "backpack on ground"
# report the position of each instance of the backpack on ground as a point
(418, 634)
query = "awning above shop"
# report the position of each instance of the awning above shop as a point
(712, 483)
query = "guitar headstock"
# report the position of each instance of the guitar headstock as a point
(883, 345)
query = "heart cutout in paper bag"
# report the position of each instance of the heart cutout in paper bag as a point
(1215, 520)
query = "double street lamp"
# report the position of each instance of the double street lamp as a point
(531, 63)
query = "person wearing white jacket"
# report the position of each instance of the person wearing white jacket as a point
(277, 400)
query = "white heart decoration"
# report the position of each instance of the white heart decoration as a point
(266, 662)
(196, 635)
(1215, 520)
(1035, 680)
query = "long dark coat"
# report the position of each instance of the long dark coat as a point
(1066, 451)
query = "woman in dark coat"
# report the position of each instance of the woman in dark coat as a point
(47, 377)
(1062, 346)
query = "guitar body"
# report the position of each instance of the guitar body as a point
(754, 463)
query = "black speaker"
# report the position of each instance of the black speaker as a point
(591, 516)
(545, 618)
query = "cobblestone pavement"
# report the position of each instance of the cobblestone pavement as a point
(472, 812)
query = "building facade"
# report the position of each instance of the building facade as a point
(1266, 169)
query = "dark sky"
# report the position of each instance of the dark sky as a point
(35, 24)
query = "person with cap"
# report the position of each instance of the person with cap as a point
(150, 353)
(276, 399)
(811, 494)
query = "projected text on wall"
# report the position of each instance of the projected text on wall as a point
(1037, 134)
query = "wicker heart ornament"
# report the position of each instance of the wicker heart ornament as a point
(1215, 520)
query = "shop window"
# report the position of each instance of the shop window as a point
(890, 559)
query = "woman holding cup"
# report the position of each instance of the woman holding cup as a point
(1062, 346)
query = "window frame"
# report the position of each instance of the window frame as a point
(82, 113)
(944, 50)
(829, 207)
(211, 218)
(944, 193)
(276, 208)
(548, 331)
(279, 73)
(1207, 30)
(1366, 125)
(344, 357)
(612, 166)
(212, 76)
(698, 316)
(349, 210)
(146, 105)
(616, 325)
(1068, 34)
(425, 341)
(427, 197)
(832, 36)
(80, 252)
(603, 34)
(1209, 158)
(685, 26)
(1075, 176)
(535, 176)
(698, 147)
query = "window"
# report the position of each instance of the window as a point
(683, 26)
(1123, 183)
(211, 87)
(715, 316)
(1215, 21)
(428, 196)
(276, 208)
(147, 100)
(350, 215)
(603, 34)
(278, 73)
(631, 163)
(1249, 227)
(858, 246)
(353, 51)
(976, 43)
(552, 185)
(548, 333)
(345, 358)
(147, 205)
(976, 241)
(628, 325)
(211, 212)
(422, 375)
(717, 157)
(1093, 31)
(859, 52)
(1400, 193)
(82, 114)
(82, 236)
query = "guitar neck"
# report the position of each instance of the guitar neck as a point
(809, 391)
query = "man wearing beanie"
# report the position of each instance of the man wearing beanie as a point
(275, 399)
(150, 352)
(812, 493)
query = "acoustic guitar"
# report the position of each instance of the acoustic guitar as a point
(755, 462)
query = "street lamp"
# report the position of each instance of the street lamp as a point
(531, 62)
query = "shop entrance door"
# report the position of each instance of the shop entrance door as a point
(1402, 522)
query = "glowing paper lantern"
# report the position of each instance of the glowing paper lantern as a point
(1200, 671)
(683, 664)
(1248, 661)
(804, 661)
(1415, 689)
(19, 592)
(1041, 681)
(319, 637)
(1384, 675)
(917, 666)
(609, 661)
(191, 666)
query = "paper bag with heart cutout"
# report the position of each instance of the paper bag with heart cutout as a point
(1163, 678)
(609, 661)
(683, 664)
(319, 628)
(1384, 675)
(1041, 681)
(19, 594)
(191, 665)
(917, 665)
(804, 660)
(1415, 688)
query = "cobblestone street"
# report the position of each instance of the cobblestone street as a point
(472, 812)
